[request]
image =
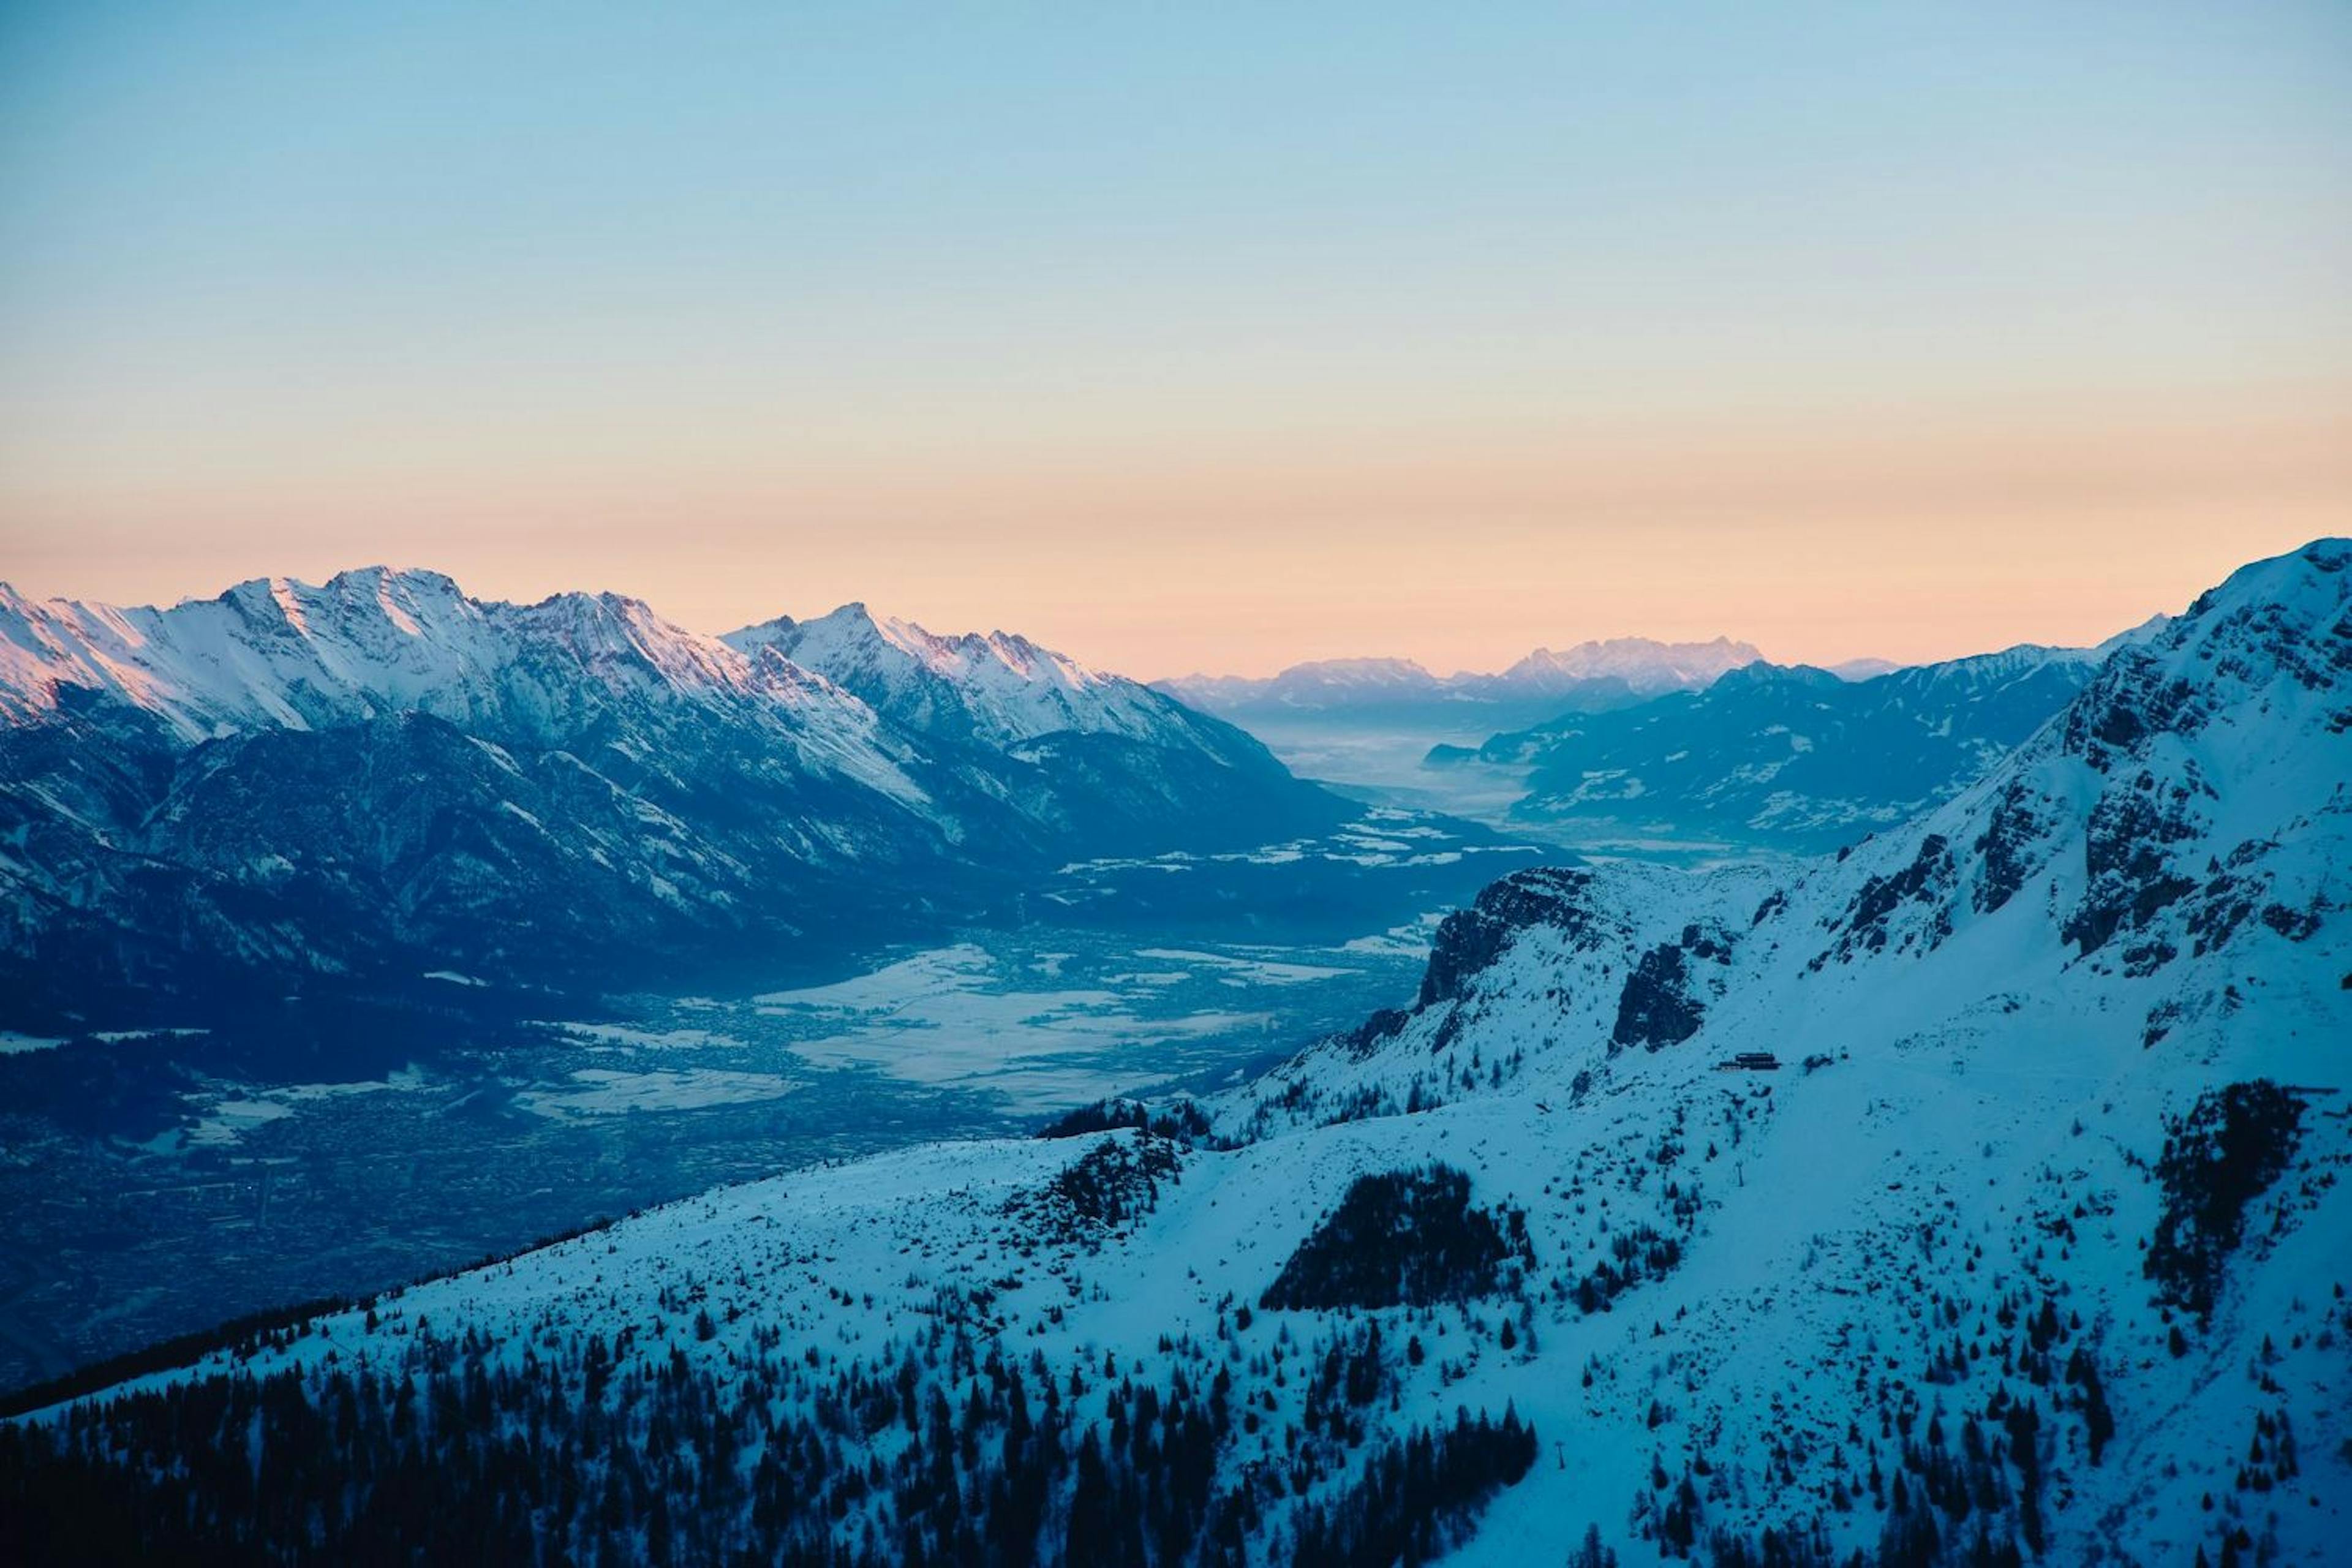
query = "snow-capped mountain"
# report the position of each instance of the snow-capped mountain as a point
(1588, 677)
(1790, 757)
(1647, 667)
(372, 774)
(999, 690)
(1314, 686)
(1971, 1197)
(277, 654)
(274, 654)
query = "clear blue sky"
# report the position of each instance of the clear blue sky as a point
(1136, 326)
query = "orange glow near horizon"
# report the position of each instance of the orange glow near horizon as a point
(1186, 341)
(1905, 539)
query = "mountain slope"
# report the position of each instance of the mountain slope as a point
(380, 777)
(2023, 1253)
(1115, 766)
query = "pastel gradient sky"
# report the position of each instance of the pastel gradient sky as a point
(1198, 336)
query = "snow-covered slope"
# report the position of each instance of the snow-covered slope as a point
(2033, 1241)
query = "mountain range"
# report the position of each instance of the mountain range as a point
(1588, 677)
(1696, 750)
(1973, 1194)
(380, 776)
(1790, 757)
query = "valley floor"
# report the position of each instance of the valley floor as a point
(238, 1191)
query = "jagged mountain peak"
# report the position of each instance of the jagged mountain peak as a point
(1648, 664)
(279, 652)
(2277, 634)
(2187, 799)
(607, 631)
(398, 594)
(996, 687)
(952, 656)
(2291, 608)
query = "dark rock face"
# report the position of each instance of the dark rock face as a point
(1662, 1002)
(1366, 1037)
(1700, 942)
(2134, 701)
(1880, 897)
(2235, 890)
(1869, 922)
(1656, 1008)
(2006, 849)
(2295, 925)
(2130, 876)
(1469, 940)
(2278, 632)
(2223, 904)
(2130, 702)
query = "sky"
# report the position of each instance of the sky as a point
(1203, 337)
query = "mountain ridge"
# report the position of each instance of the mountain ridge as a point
(331, 779)
(1791, 757)
(1596, 673)
(997, 687)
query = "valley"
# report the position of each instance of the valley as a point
(1973, 1193)
(163, 1182)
